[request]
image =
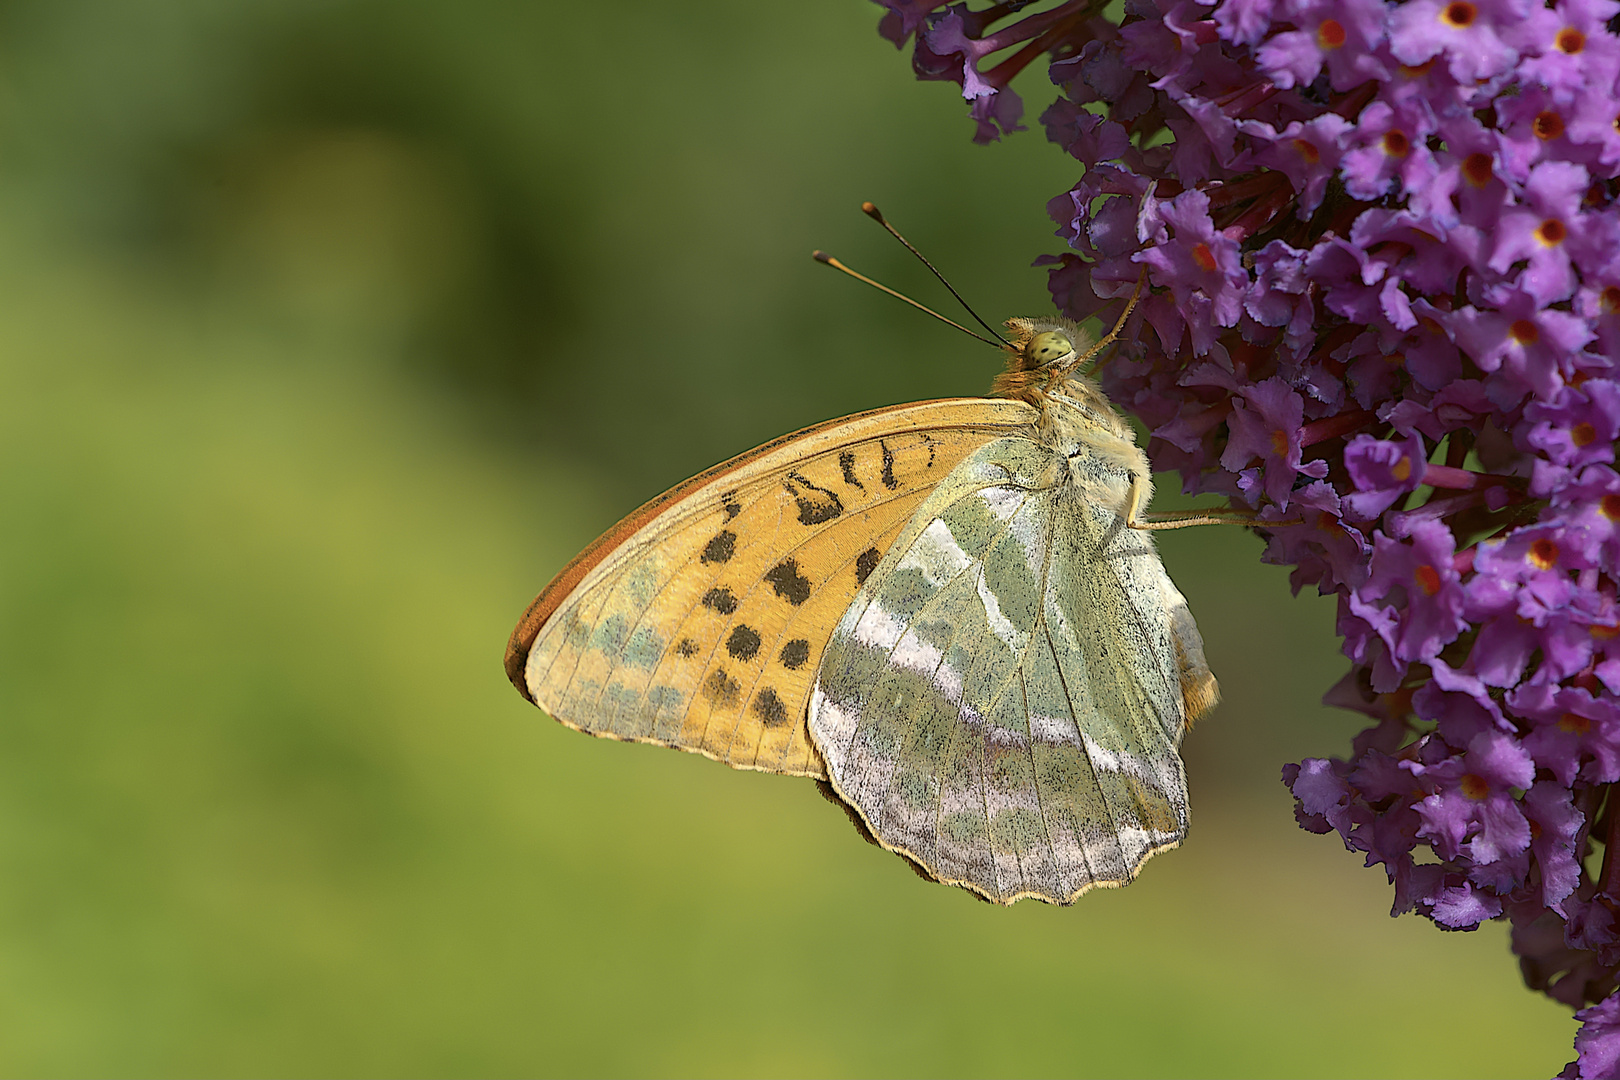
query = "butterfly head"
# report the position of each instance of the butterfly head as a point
(1042, 352)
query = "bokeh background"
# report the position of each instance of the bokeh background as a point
(328, 332)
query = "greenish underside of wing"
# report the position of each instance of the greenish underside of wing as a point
(1001, 702)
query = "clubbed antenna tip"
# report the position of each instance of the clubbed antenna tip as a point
(871, 211)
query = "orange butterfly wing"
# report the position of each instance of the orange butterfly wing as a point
(698, 621)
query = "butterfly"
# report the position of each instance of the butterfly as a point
(949, 613)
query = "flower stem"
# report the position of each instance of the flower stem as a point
(1333, 426)
(1036, 25)
(1609, 876)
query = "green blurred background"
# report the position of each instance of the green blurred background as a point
(328, 332)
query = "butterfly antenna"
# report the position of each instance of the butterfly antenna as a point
(876, 215)
(1113, 334)
(823, 257)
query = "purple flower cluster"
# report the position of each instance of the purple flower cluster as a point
(1382, 245)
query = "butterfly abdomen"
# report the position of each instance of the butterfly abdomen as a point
(1199, 691)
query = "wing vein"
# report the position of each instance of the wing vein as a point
(1034, 771)
(1068, 697)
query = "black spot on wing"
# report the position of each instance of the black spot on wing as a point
(743, 644)
(729, 503)
(795, 653)
(686, 647)
(721, 548)
(791, 585)
(888, 466)
(720, 600)
(721, 689)
(816, 504)
(846, 462)
(769, 708)
(866, 563)
(929, 441)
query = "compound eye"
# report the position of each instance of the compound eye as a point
(1050, 346)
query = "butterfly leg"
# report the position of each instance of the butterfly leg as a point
(1178, 519)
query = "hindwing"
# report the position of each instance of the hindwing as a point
(699, 621)
(1004, 698)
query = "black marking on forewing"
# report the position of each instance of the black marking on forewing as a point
(866, 563)
(686, 647)
(929, 440)
(721, 689)
(743, 644)
(888, 466)
(720, 600)
(729, 503)
(769, 708)
(846, 462)
(721, 548)
(816, 504)
(788, 582)
(795, 653)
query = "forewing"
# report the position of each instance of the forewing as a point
(699, 620)
(1002, 701)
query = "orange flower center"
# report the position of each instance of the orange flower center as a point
(1548, 125)
(1203, 257)
(1570, 40)
(1330, 35)
(1605, 633)
(1476, 169)
(1551, 232)
(1428, 579)
(1611, 507)
(1611, 298)
(1583, 434)
(1543, 554)
(1525, 332)
(1396, 144)
(1402, 469)
(1475, 787)
(1459, 15)
(1574, 725)
(1279, 442)
(1308, 151)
